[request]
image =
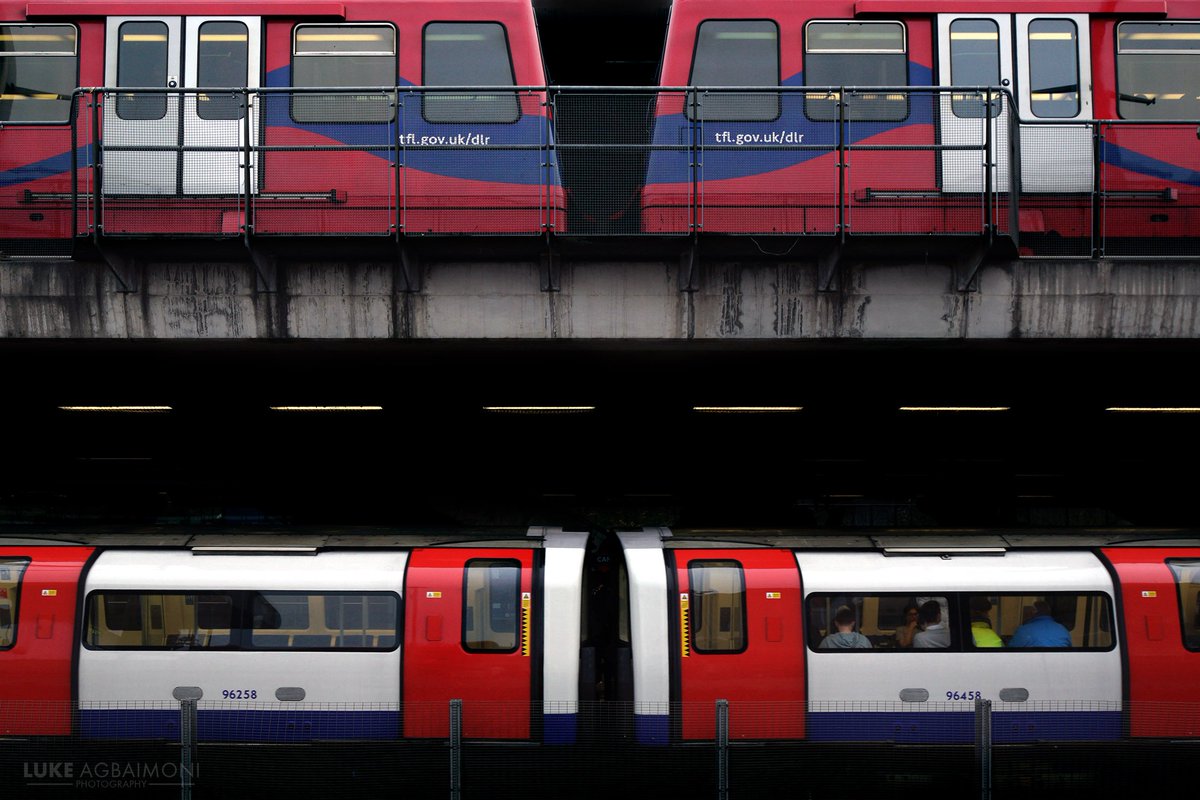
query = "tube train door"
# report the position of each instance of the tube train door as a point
(146, 135)
(739, 639)
(469, 636)
(1046, 60)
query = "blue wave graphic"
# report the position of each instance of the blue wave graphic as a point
(45, 168)
(1143, 164)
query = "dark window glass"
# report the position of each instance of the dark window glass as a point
(974, 61)
(142, 62)
(223, 60)
(1053, 68)
(735, 53)
(154, 621)
(468, 54)
(350, 611)
(842, 623)
(11, 571)
(1187, 577)
(718, 606)
(1060, 620)
(862, 54)
(275, 611)
(37, 72)
(491, 603)
(1158, 70)
(349, 56)
(321, 621)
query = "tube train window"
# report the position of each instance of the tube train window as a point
(223, 60)
(38, 65)
(124, 620)
(974, 61)
(735, 53)
(1158, 70)
(142, 62)
(11, 571)
(468, 54)
(1080, 621)
(1053, 68)
(838, 622)
(718, 606)
(1187, 577)
(856, 54)
(347, 56)
(491, 599)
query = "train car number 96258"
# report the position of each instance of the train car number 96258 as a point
(239, 694)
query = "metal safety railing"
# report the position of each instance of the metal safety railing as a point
(823, 162)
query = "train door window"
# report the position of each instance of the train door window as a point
(1053, 68)
(491, 598)
(974, 61)
(1158, 70)
(350, 56)
(136, 620)
(856, 54)
(468, 54)
(718, 606)
(1069, 620)
(38, 65)
(11, 572)
(142, 56)
(735, 53)
(223, 59)
(1187, 578)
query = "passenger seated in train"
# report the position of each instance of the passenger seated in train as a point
(981, 623)
(1041, 630)
(905, 633)
(846, 637)
(934, 632)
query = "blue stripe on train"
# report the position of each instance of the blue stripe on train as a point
(558, 728)
(1143, 164)
(46, 168)
(651, 728)
(952, 727)
(241, 726)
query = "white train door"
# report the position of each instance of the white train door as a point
(145, 133)
(1045, 60)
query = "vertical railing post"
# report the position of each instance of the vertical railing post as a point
(398, 161)
(248, 163)
(983, 747)
(97, 167)
(722, 750)
(989, 163)
(694, 157)
(187, 697)
(842, 164)
(1097, 191)
(456, 750)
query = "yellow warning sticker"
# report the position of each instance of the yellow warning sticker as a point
(1150, 593)
(49, 592)
(683, 624)
(774, 595)
(526, 607)
(433, 595)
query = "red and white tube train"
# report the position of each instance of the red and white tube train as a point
(808, 638)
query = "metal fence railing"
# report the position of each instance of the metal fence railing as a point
(822, 162)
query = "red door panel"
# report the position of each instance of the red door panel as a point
(35, 666)
(748, 651)
(1164, 694)
(468, 614)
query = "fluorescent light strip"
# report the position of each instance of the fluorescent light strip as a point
(119, 409)
(539, 409)
(1154, 409)
(326, 409)
(747, 409)
(954, 408)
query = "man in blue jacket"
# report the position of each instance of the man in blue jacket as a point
(1041, 630)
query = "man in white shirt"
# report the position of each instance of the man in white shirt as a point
(934, 632)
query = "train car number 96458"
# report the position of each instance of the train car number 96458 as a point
(971, 695)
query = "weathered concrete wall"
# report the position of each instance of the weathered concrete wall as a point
(603, 300)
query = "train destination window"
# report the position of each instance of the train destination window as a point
(1187, 577)
(11, 572)
(856, 54)
(1158, 70)
(1053, 68)
(38, 64)
(323, 621)
(468, 54)
(974, 61)
(142, 62)
(893, 621)
(491, 599)
(223, 57)
(718, 606)
(1076, 621)
(122, 620)
(735, 53)
(348, 56)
